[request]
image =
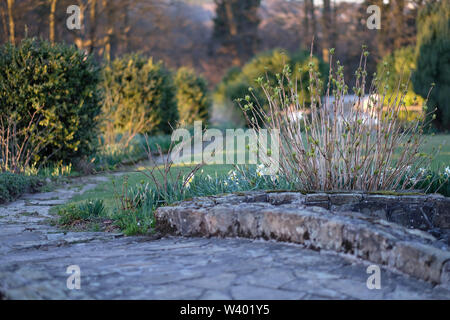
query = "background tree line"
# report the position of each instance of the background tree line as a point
(211, 36)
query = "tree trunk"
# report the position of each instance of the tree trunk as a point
(399, 23)
(79, 41)
(12, 37)
(230, 18)
(93, 25)
(4, 23)
(327, 29)
(52, 20)
(314, 26)
(306, 23)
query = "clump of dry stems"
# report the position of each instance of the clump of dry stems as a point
(17, 150)
(335, 147)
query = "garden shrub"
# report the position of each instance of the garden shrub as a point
(13, 185)
(139, 97)
(59, 81)
(192, 96)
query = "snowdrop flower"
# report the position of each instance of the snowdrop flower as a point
(260, 169)
(232, 175)
(447, 171)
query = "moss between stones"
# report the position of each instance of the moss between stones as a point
(397, 193)
(381, 192)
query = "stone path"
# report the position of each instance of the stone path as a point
(34, 258)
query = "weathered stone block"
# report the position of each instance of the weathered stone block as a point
(278, 198)
(317, 199)
(408, 250)
(345, 198)
(441, 218)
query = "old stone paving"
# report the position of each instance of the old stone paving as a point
(34, 257)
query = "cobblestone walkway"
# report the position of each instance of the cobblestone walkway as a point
(34, 257)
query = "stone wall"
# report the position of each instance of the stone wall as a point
(414, 211)
(326, 222)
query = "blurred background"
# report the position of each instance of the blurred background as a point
(216, 38)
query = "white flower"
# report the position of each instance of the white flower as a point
(447, 171)
(260, 170)
(232, 175)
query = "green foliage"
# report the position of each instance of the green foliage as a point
(139, 221)
(138, 93)
(72, 213)
(61, 81)
(396, 69)
(92, 208)
(433, 60)
(134, 208)
(433, 181)
(192, 96)
(13, 185)
(266, 66)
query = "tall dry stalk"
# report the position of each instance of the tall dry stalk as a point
(17, 146)
(332, 146)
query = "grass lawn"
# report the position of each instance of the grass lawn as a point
(442, 160)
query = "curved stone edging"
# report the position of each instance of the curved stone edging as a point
(286, 217)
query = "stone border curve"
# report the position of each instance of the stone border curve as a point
(293, 217)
